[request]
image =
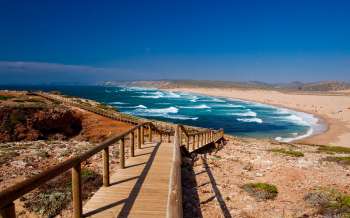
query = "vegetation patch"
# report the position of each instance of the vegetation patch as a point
(106, 107)
(261, 191)
(329, 202)
(16, 117)
(5, 97)
(50, 199)
(7, 155)
(333, 149)
(287, 152)
(340, 160)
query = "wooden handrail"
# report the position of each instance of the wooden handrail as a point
(174, 205)
(14, 192)
(201, 138)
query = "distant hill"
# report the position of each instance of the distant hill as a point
(293, 86)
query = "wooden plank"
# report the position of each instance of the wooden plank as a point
(139, 190)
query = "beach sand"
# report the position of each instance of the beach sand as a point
(332, 108)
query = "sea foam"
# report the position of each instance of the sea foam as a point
(172, 110)
(250, 120)
(247, 113)
(202, 106)
(117, 103)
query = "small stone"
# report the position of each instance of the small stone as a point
(259, 174)
(248, 167)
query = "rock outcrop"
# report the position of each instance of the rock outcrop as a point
(34, 123)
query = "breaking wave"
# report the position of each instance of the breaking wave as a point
(202, 106)
(117, 103)
(248, 113)
(250, 120)
(229, 105)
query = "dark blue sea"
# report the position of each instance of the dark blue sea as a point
(241, 118)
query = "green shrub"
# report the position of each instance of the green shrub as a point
(261, 191)
(340, 160)
(329, 202)
(87, 174)
(333, 149)
(49, 204)
(287, 152)
(5, 97)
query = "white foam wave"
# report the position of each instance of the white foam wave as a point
(309, 132)
(138, 106)
(304, 119)
(141, 106)
(211, 100)
(282, 111)
(134, 88)
(172, 110)
(202, 106)
(194, 99)
(250, 120)
(159, 94)
(164, 103)
(117, 103)
(229, 105)
(248, 113)
(180, 117)
(171, 95)
(217, 100)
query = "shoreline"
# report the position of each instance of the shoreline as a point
(335, 130)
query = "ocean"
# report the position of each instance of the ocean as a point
(237, 117)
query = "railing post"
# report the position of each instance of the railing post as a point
(180, 135)
(150, 133)
(76, 191)
(139, 138)
(106, 167)
(188, 142)
(202, 139)
(177, 136)
(193, 142)
(122, 153)
(169, 138)
(8, 211)
(132, 144)
(198, 140)
(142, 135)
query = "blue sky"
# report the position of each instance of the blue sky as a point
(88, 41)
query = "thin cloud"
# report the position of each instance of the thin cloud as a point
(40, 67)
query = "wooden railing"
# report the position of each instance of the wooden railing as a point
(182, 137)
(194, 141)
(174, 207)
(8, 196)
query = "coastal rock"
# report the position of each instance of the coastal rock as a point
(33, 123)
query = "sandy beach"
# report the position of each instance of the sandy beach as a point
(331, 108)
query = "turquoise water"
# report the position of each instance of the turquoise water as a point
(237, 117)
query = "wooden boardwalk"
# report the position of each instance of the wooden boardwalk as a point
(139, 190)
